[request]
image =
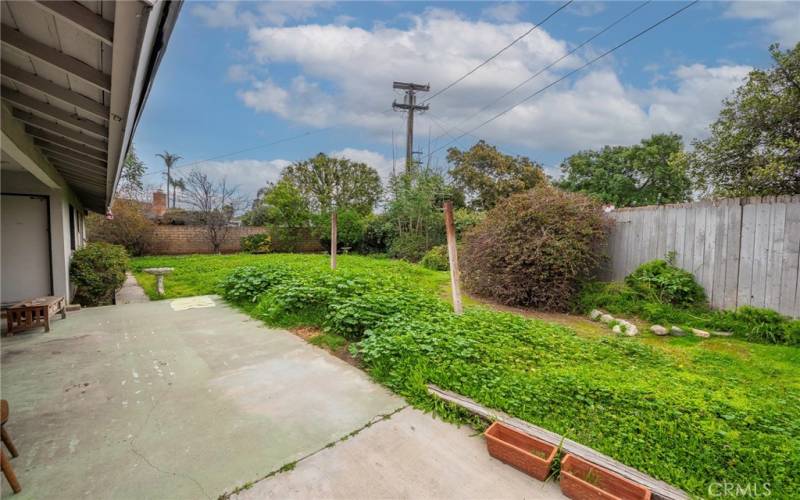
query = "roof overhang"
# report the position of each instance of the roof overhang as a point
(76, 75)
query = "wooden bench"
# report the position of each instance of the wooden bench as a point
(34, 313)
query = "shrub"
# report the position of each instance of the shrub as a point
(349, 229)
(245, 284)
(256, 243)
(408, 246)
(534, 248)
(751, 323)
(97, 271)
(378, 234)
(436, 259)
(130, 227)
(663, 282)
(760, 325)
(465, 219)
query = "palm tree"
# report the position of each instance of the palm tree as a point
(177, 184)
(169, 160)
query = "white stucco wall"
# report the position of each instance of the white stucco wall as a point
(19, 182)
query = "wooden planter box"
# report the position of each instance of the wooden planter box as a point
(581, 480)
(520, 450)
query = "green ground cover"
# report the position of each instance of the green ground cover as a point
(688, 411)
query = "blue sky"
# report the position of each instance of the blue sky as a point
(243, 75)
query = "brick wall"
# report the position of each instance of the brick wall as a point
(173, 240)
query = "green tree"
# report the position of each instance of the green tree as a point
(284, 206)
(350, 227)
(130, 179)
(415, 211)
(486, 175)
(327, 182)
(650, 173)
(754, 148)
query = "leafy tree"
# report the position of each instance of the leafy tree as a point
(285, 206)
(130, 179)
(486, 175)
(129, 228)
(754, 148)
(327, 182)
(652, 172)
(350, 227)
(415, 210)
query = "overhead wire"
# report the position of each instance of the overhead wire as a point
(567, 75)
(542, 70)
(491, 58)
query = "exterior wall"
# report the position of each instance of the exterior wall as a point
(40, 178)
(173, 240)
(743, 251)
(19, 182)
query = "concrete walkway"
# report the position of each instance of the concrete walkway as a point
(192, 399)
(410, 455)
(131, 292)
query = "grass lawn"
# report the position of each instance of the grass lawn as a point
(688, 411)
(199, 274)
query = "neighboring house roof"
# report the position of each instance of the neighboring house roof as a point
(77, 74)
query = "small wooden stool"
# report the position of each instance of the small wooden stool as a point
(8, 470)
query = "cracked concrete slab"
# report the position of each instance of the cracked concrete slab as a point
(142, 401)
(410, 455)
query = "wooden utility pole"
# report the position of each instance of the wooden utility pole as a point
(410, 104)
(334, 221)
(452, 256)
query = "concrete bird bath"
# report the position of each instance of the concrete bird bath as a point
(159, 273)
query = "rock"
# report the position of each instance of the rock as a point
(595, 314)
(722, 334)
(677, 331)
(625, 327)
(700, 333)
(629, 328)
(606, 318)
(659, 330)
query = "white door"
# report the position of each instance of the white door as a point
(25, 248)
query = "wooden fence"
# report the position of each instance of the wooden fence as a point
(743, 251)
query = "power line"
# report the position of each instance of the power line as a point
(541, 90)
(476, 68)
(525, 82)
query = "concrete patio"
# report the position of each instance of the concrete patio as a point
(192, 399)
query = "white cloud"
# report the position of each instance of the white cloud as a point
(782, 19)
(375, 160)
(248, 175)
(504, 12)
(346, 80)
(231, 14)
(223, 15)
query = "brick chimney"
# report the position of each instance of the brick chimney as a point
(159, 203)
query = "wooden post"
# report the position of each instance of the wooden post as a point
(334, 221)
(452, 256)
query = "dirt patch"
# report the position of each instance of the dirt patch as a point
(581, 325)
(309, 332)
(344, 355)
(306, 332)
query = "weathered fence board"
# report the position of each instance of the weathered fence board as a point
(743, 251)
